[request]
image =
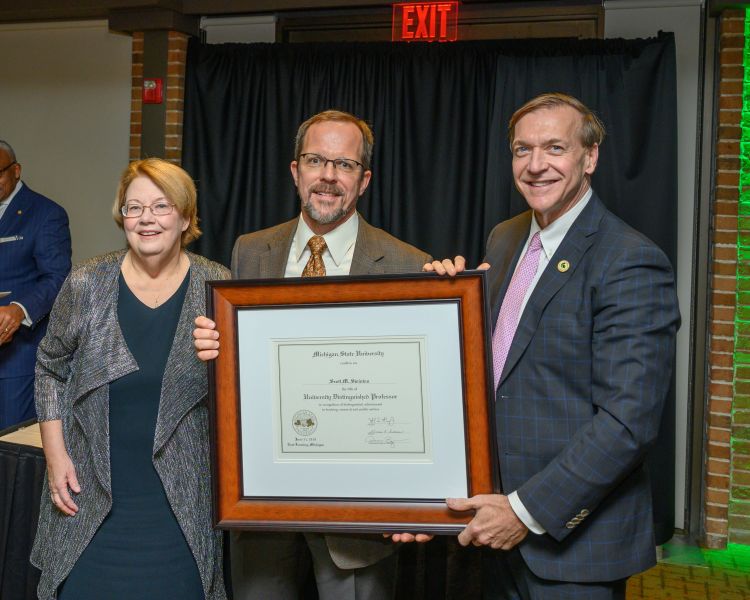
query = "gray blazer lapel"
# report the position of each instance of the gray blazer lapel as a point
(272, 262)
(575, 244)
(185, 379)
(103, 330)
(112, 361)
(367, 251)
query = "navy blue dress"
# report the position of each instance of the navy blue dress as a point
(139, 551)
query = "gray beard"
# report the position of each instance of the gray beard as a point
(322, 219)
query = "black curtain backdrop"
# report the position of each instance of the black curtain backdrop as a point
(442, 168)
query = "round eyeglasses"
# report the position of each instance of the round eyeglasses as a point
(316, 161)
(135, 209)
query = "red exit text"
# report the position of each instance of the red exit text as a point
(425, 22)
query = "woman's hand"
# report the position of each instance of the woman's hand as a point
(206, 340)
(61, 474)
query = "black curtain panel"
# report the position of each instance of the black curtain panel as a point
(442, 167)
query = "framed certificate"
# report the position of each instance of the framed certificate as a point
(350, 403)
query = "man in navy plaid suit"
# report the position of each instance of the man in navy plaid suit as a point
(34, 261)
(581, 378)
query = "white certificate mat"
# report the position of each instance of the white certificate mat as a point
(342, 401)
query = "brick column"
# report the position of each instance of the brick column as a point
(170, 147)
(136, 113)
(723, 281)
(177, 51)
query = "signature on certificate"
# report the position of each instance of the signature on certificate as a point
(386, 431)
(373, 421)
(391, 442)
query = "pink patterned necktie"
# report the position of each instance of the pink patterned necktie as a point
(507, 319)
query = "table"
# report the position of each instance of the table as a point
(22, 472)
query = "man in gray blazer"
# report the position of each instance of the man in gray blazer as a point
(329, 237)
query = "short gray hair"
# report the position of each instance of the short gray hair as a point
(339, 116)
(7, 147)
(591, 131)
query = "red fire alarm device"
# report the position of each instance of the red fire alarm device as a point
(152, 91)
(425, 22)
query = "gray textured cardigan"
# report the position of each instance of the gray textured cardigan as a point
(83, 351)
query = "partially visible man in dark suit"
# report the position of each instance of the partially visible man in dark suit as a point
(585, 315)
(34, 261)
(331, 170)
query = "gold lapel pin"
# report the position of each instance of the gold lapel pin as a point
(563, 266)
(20, 212)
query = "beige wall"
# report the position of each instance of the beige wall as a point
(65, 109)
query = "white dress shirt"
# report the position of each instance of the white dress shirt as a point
(551, 238)
(4, 203)
(3, 206)
(337, 256)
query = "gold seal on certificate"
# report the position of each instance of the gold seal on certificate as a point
(304, 423)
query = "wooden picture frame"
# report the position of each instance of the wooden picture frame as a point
(249, 313)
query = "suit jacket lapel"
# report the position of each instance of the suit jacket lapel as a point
(11, 220)
(574, 245)
(273, 261)
(504, 261)
(367, 251)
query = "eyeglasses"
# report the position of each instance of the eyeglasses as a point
(8, 167)
(158, 209)
(316, 161)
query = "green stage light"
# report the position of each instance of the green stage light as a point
(738, 553)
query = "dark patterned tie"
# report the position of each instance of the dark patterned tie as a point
(315, 266)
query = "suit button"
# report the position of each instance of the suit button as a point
(570, 525)
(584, 513)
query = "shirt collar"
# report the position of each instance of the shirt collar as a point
(552, 235)
(19, 185)
(338, 241)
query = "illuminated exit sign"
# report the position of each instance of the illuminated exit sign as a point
(425, 22)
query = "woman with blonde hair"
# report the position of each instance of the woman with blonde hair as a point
(120, 395)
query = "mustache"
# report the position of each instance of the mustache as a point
(323, 188)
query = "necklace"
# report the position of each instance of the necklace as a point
(152, 293)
